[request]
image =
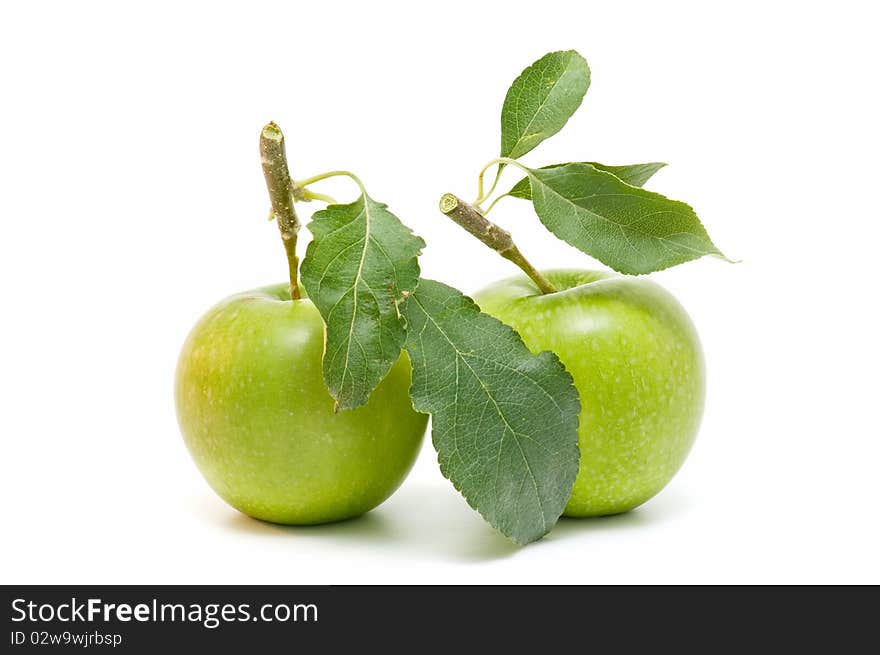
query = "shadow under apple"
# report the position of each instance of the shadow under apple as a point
(429, 521)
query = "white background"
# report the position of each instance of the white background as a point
(131, 199)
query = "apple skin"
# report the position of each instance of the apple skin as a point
(260, 424)
(638, 366)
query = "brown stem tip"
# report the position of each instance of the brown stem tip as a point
(273, 156)
(497, 238)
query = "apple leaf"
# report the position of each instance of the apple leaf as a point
(632, 230)
(632, 174)
(541, 100)
(360, 267)
(504, 419)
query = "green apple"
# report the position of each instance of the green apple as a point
(637, 364)
(261, 426)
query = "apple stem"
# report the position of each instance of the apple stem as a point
(281, 192)
(497, 238)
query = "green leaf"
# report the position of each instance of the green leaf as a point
(541, 100)
(359, 268)
(633, 174)
(504, 419)
(632, 230)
